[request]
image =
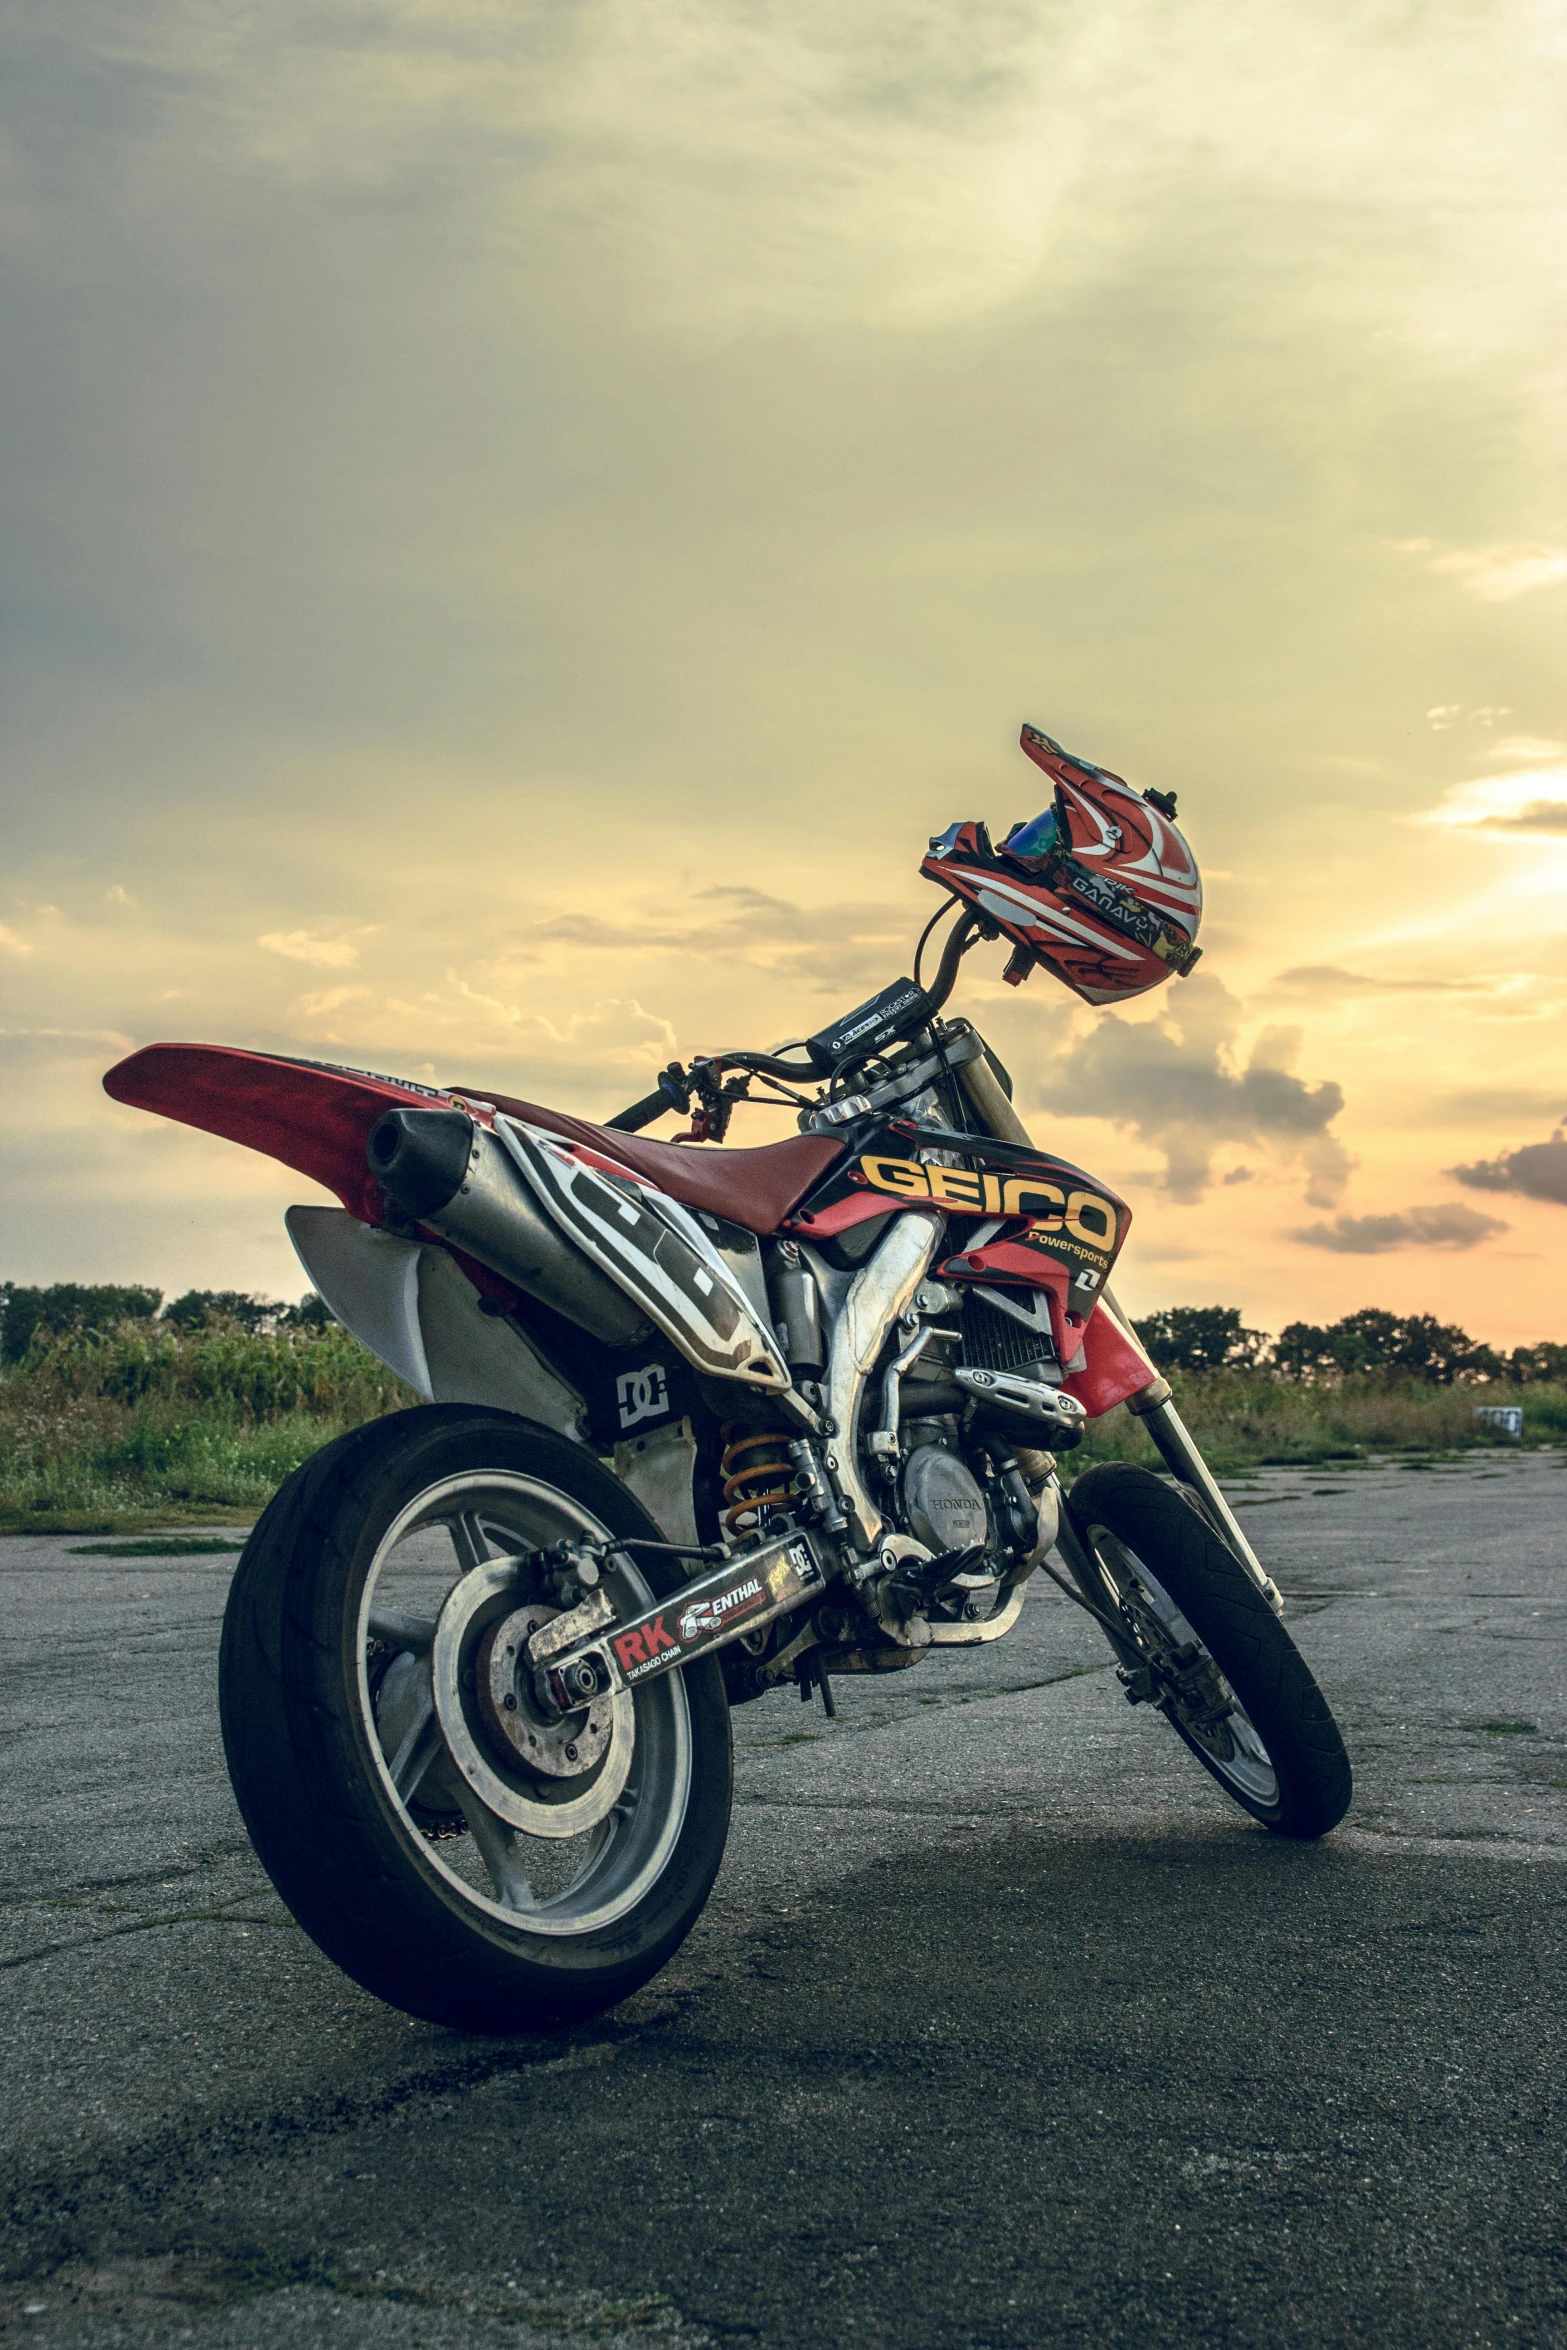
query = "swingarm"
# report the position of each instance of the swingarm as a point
(579, 1657)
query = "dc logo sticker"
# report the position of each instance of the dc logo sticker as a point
(642, 1395)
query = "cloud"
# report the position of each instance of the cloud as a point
(1485, 1105)
(1537, 1171)
(1539, 816)
(1177, 1083)
(1446, 715)
(1494, 574)
(323, 1000)
(1326, 981)
(612, 1036)
(1534, 749)
(831, 947)
(1534, 802)
(885, 159)
(32, 1044)
(1451, 1227)
(118, 895)
(333, 954)
(12, 944)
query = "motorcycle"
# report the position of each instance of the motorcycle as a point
(701, 1424)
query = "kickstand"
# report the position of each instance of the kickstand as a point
(813, 1674)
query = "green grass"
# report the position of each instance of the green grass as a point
(157, 1546)
(147, 1426)
(1248, 1420)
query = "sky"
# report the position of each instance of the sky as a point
(519, 521)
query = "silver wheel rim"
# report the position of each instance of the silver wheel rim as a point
(1235, 1753)
(558, 1855)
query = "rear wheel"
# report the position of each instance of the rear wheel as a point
(460, 1852)
(1198, 1641)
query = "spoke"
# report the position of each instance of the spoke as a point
(597, 1842)
(415, 1633)
(1244, 1733)
(468, 1540)
(497, 1846)
(419, 1746)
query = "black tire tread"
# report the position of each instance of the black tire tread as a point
(317, 1816)
(1251, 1645)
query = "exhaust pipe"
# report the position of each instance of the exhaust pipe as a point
(441, 1169)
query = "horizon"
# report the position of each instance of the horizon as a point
(175, 1296)
(520, 527)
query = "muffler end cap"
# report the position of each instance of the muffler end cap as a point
(419, 1157)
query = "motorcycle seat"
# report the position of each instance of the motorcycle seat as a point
(755, 1188)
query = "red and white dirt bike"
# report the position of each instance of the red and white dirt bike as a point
(703, 1423)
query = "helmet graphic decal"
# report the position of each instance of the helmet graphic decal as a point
(1101, 889)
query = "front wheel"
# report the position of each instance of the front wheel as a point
(1198, 1641)
(462, 1852)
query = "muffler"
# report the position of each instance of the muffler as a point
(443, 1170)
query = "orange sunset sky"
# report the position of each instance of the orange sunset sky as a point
(520, 522)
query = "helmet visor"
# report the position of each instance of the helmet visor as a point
(1040, 837)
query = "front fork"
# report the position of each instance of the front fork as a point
(1156, 1409)
(1187, 1466)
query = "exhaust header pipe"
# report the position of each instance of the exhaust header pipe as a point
(441, 1169)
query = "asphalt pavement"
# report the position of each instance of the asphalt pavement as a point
(1002, 2028)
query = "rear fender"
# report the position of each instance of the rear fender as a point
(316, 1120)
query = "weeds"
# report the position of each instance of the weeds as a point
(1250, 1419)
(106, 1432)
(101, 1432)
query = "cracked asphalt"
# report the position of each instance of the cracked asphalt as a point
(1002, 2026)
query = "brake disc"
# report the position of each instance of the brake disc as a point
(562, 1746)
(477, 1660)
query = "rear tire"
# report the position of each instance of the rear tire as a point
(554, 1890)
(1162, 1572)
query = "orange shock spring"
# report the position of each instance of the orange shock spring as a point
(758, 1475)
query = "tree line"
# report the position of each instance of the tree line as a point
(90, 1307)
(1181, 1338)
(1402, 1346)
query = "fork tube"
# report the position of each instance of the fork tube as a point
(1170, 1433)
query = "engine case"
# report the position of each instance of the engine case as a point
(943, 1503)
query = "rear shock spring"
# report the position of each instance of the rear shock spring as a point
(758, 1476)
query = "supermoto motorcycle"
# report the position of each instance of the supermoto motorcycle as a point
(702, 1424)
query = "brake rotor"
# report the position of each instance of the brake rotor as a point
(564, 1747)
(542, 1789)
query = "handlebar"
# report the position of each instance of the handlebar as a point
(653, 1105)
(642, 1113)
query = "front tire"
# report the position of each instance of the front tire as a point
(1198, 1640)
(494, 1871)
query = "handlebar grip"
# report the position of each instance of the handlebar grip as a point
(642, 1113)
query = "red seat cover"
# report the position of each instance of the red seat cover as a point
(756, 1188)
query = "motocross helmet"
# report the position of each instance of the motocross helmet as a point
(1101, 889)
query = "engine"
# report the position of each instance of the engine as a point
(942, 1503)
(957, 1410)
(968, 1379)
